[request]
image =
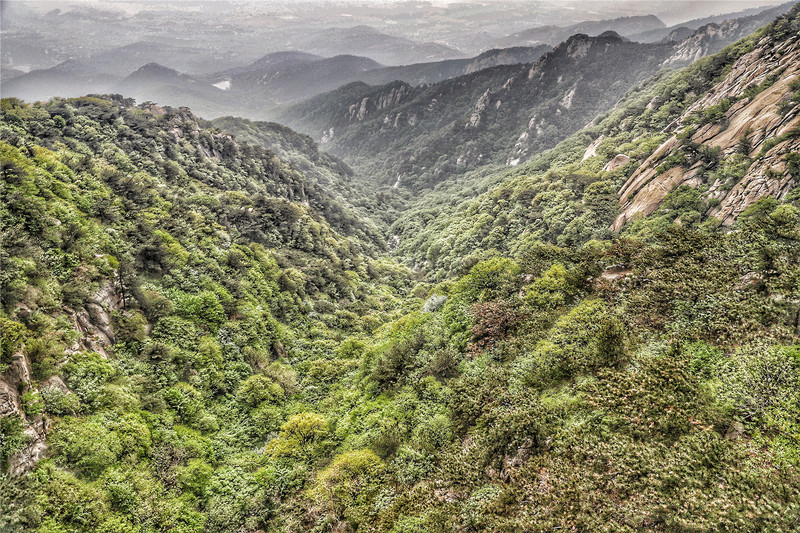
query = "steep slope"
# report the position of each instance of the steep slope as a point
(499, 115)
(338, 179)
(739, 142)
(149, 262)
(677, 129)
(712, 37)
(184, 367)
(766, 14)
(284, 78)
(194, 341)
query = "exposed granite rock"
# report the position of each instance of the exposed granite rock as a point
(26, 459)
(591, 150)
(619, 161)
(480, 107)
(755, 119)
(10, 404)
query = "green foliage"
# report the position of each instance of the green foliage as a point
(234, 359)
(582, 340)
(86, 374)
(552, 289)
(299, 436)
(12, 439)
(349, 485)
(761, 384)
(258, 389)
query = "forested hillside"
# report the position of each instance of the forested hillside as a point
(697, 147)
(203, 329)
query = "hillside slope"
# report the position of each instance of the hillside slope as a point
(198, 334)
(553, 35)
(427, 73)
(726, 127)
(748, 124)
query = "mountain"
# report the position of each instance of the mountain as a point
(433, 72)
(284, 78)
(553, 35)
(288, 77)
(201, 331)
(254, 90)
(69, 78)
(10, 73)
(122, 60)
(499, 115)
(99, 72)
(698, 146)
(734, 144)
(166, 86)
(712, 37)
(369, 42)
(766, 15)
(299, 150)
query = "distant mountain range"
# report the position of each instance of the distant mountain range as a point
(553, 35)
(762, 14)
(278, 78)
(497, 115)
(367, 41)
(162, 71)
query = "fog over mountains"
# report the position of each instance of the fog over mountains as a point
(262, 54)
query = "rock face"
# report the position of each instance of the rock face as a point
(756, 123)
(24, 460)
(394, 94)
(500, 115)
(619, 161)
(94, 324)
(591, 150)
(480, 107)
(700, 43)
(15, 380)
(711, 38)
(9, 400)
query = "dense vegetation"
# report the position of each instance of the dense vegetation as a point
(215, 342)
(339, 180)
(567, 195)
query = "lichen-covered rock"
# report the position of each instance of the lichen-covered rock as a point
(619, 161)
(26, 459)
(9, 400)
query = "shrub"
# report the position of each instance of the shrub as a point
(258, 389)
(58, 402)
(552, 289)
(349, 484)
(299, 436)
(12, 438)
(761, 383)
(86, 374)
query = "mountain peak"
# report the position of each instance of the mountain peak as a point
(611, 34)
(156, 68)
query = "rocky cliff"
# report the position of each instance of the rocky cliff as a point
(738, 142)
